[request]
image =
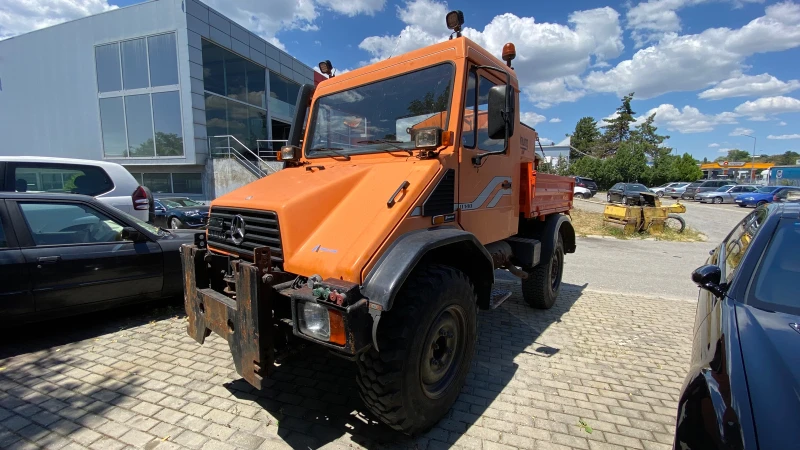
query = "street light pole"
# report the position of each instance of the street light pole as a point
(753, 167)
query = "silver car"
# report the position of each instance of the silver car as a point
(724, 194)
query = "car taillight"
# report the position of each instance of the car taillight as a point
(140, 200)
(775, 198)
(581, 185)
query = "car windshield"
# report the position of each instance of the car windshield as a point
(380, 116)
(178, 202)
(767, 189)
(724, 188)
(637, 188)
(774, 287)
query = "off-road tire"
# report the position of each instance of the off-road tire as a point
(540, 290)
(390, 381)
(676, 218)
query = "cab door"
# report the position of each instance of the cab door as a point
(486, 200)
(16, 297)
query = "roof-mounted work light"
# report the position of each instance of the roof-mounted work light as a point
(454, 21)
(326, 68)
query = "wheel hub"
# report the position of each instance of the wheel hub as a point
(443, 351)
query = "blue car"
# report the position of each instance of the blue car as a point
(764, 195)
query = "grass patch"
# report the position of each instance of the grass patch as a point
(588, 223)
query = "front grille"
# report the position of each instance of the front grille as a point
(261, 230)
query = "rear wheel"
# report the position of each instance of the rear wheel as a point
(426, 346)
(675, 223)
(718, 200)
(175, 223)
(541, 288)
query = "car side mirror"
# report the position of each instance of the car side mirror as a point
(501, 112)
(132, 234)
(708, 277)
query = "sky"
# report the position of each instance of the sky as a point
(713, 71)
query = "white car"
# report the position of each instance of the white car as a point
(109, 182)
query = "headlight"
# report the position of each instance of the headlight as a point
(192, 213)
(314, 320)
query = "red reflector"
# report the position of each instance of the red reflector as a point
(140, 200)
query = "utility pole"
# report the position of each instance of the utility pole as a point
(753, 155)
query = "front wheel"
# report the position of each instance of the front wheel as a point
(718, 200)
(175, 223)
(608, 198)
(543, 284)
(426, 346)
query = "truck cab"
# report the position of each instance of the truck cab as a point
(406, 184)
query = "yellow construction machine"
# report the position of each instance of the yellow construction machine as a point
(645, 215)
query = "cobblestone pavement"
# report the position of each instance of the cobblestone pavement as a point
(598, 371)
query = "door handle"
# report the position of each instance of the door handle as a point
(48, 260)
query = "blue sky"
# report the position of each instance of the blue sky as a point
(711, 70)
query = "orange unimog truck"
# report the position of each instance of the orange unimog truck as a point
(381, 236)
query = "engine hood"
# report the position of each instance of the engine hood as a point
(333, 217)
(772, 364)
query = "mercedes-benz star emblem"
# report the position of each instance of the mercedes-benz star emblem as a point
(237, 229)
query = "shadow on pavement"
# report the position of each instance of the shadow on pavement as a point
(314, 398)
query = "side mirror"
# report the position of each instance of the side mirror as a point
(501, 112)
(132, 234)
(708, 277)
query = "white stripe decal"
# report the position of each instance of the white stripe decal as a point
(481, 199)
(498, 196)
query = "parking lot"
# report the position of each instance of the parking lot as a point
(611, 364)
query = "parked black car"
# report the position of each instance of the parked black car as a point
(62, 254)
(586, 183)
(625, 193)
(744, 377)
(180, 212)
(704, 186)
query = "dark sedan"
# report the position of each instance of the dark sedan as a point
(62, 254)
(626, 193)
(744, 377)
(180, 212)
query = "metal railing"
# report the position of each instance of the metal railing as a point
(267, 151)
(228, 146)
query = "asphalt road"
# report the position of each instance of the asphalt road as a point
(653, 268)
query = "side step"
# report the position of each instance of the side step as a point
(498, 297)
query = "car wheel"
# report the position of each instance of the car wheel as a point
(742, 206)
(718, 200)
(660, 194)
(761, 203)
(624, 199)
(175, 224)
(608, 198)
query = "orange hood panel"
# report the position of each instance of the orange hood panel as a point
(332, 221)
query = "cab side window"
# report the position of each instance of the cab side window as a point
(468, 123)
(484, 143)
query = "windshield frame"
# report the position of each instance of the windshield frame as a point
(370, 149)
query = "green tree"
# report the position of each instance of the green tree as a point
(646, 135)
(685, 168)
(735, 154)
(585, 138)
(786, 159)
(629, 163)
(618, 128)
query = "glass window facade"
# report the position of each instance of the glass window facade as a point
(171, 183)
(148, 121)
(282, 88)
(230, 75)
(227, 117)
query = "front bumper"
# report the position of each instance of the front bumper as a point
(248, 320)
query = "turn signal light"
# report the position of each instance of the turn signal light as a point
(447, 138)
(337, 327)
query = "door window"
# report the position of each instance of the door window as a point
(72, 179)
(739, 240)
(69, 223)
(484, 143)
(468, 123)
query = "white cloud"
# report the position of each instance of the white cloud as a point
(782, 124)
(740, 131)
(353, 7)
(546, 141)
(784, 136)
(724, 150)
(531, 118)
(694, 61)
(768, 105)
(554, 120)
(550, 56)
(714, 145)
(749, 85)
(688, 119)
(21, 16)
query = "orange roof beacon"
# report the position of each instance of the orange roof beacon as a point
(409, 183)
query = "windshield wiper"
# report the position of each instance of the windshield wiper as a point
(387, 141)
(332, 150)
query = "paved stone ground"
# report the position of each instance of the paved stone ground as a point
(132, 378)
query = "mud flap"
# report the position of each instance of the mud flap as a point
(246, 322)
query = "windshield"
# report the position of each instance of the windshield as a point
(380, 116)
(767, 189)
(637, 188)
(179, 202)
(774, 287)
(151, 228)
